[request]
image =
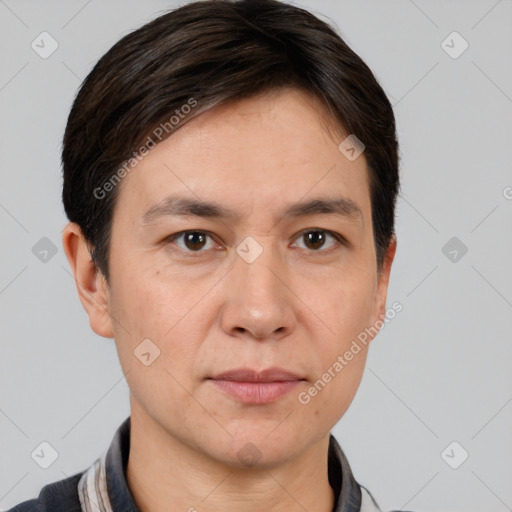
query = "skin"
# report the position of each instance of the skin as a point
(297, 306)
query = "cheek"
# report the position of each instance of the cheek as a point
(345, 385)
(332, 393)
(149, 298)
(168, 312)
(345, 309)
(146, 322)
(341, 291)
(343, 305)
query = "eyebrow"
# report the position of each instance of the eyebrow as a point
(185, 206)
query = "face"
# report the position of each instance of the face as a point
(261, 278)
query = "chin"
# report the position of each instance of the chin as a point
(259, 448)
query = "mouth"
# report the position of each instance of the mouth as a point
(256, 387)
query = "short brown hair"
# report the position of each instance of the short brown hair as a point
(215, 52)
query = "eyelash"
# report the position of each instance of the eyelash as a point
(341, 241)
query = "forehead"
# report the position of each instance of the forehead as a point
(254, 154)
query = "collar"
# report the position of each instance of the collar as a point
(103, 486)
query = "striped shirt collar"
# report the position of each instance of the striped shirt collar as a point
(103, 486)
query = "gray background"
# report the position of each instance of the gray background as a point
(439, 372)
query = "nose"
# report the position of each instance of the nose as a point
(259, 303)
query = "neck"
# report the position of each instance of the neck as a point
(165, 474)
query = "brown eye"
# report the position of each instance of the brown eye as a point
(193, 241)
(315, 239)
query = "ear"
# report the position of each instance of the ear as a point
(90, 282)
(379, 302)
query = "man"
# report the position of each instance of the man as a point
(230, 177)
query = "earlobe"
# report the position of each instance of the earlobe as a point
(90, 283)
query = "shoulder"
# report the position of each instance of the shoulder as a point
(60, 496)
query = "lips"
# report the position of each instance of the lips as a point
(256, 387)
(273, 374)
